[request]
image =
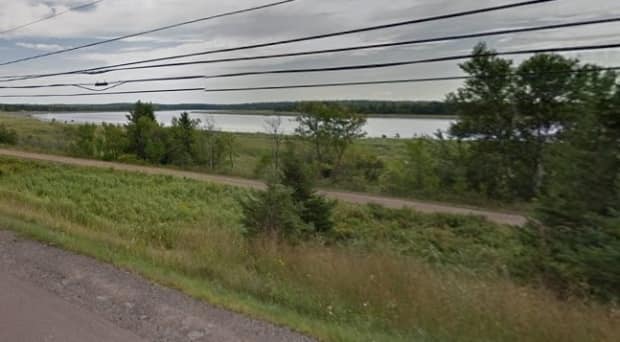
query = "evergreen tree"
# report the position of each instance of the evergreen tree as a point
(183, 131)
(140, 119)
(580, 208)
(488, 118)
(315, 210)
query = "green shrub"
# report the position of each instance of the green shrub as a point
(272, 212)
(316, 210)
(83, 140)
(7, 136)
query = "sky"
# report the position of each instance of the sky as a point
(112, 18)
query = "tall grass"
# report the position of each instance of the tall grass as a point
(187, 235)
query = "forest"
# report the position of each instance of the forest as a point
(360, 106)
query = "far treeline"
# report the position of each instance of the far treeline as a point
(358, 106)
(545, 132)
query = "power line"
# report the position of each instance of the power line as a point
(159, 29)
(360, 47)
(304, 39)
(310, 85)
(412, 80)
(109, 93)
(412, 62)
(53, 15)
(329, 69)
(105, 84)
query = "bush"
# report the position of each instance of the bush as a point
(360, 169)
(82, 140)
(272, 212)
(112, 142)
(581, 261)
(7, 136)
(315, 209)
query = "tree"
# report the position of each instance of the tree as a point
(545, 100)
(273, 128)
(112, 142)
(184, 129)
(83, 140)
(578, 233)
(272, 212)
(488, 118)
(315, 210)
(330, 128)
(155, 139)
(227, 143)
(183, 139)
(141, 117)
(215, 149)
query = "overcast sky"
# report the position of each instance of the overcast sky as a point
(112, 18)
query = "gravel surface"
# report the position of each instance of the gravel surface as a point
(360, 198)
(89, 298)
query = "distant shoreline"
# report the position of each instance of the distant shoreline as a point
(259, 113)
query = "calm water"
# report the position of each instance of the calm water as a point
(244, 123)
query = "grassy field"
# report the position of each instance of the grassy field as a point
(382, 275)
(51, 137)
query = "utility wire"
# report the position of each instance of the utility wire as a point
(303, 39)
(109, 93)
(51, 16)
(412, 62)
(360, 47)
(333, 69)
(310, 85)
(411, 80)
(159, 29)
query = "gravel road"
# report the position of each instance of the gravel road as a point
(426, 207)
(50, 295)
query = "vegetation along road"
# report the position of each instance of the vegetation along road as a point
(71, 298)
(493, 216)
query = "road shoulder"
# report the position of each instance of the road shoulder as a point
(127, 301)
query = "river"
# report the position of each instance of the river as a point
(251, 123)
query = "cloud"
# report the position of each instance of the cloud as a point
(41, 47)
(112, 18)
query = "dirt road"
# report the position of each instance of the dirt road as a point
(49, 295)
(493, 216)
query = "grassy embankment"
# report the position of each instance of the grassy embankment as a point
(50, 137)
(382, 275)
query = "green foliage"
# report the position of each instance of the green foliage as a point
(155, 139)
(368, 280)
(182, 144)
(216, 150)
(330, 129)
(361, 166)
(141, 125)
(581, 205)
(83, 140)
(183, 139)
(487, 116)
(513, 115)
(111, 142)
(459, 242)
(431, 168)
(7, 136)
(272, 212)
(315, 210)
(543, 130)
